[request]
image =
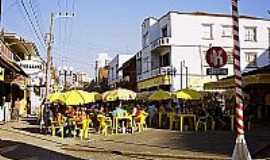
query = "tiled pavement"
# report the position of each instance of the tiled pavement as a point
(151, 144)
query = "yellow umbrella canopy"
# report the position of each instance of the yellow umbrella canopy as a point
(79, 97)
(118, 94)
(143, 95)
(93, 97)
(188, 94)
(160, 95)
(57, 97)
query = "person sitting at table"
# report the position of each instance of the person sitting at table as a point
(60, 121)
(140, 118)
(119, 111)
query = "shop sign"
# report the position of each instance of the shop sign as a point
(2, 74)
(216, 57)
(31, 67)
(217, 71)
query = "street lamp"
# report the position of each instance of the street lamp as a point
(66, 71)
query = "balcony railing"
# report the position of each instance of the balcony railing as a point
(161, 42)
(5, 52)
(161, 71)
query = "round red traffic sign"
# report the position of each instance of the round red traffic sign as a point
(216, 57)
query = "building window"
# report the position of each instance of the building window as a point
(112, 73)
(251, 59)
(139, 66)
(164, 31)
(164, 60)
(145, 39)
(230, 58)
(251, 34)
(146, 64)
(227, 31)
(207, 31)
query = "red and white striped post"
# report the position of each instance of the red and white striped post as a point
(240, 151)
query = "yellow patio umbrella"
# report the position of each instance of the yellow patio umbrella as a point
(93, 97)
(160, 95)
(79, 97)
(143, 95)
(188, 94)
(119, 94)
(57, 97)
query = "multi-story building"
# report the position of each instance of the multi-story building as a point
(23, 74)
(115, 74)
(82, 78)
(174, 48)
(129, 80)
(102, 61)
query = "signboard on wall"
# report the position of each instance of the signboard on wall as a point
(2, 74)
(31, 67)
(217, 71)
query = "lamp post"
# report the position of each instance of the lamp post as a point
(66, 72)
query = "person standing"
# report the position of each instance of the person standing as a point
(17, 109)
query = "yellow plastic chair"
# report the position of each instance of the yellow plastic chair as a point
(55, 125)
(84, 131)
(142, 121)
(203, 122)
(172, 119)
(103, 126)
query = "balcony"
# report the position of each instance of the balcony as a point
(161, 42)
(161, 71)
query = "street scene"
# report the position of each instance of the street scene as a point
(134, 80)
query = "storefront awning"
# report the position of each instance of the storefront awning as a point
(262, 78)
(154, 82)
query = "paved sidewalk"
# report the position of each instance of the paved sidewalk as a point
(152, 144)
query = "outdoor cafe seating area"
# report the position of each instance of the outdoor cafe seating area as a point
(77, 113)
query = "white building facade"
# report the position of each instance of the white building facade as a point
(185, 37)
(116, 75)
(35, 69)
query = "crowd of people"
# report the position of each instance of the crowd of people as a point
(73, 116)
(213, 106)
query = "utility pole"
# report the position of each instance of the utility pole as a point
(49, 48)
(49, 57)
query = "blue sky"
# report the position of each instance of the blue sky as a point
(111, 26)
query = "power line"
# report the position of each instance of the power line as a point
(32, 25)
(34, 13)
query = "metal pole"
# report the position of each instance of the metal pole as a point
(65, 79)
(49, 49)
(181, 75)
(240, 151)
(186, 76)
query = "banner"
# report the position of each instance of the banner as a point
(2, 74)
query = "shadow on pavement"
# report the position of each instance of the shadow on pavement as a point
(30, 129)
(20, 151)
